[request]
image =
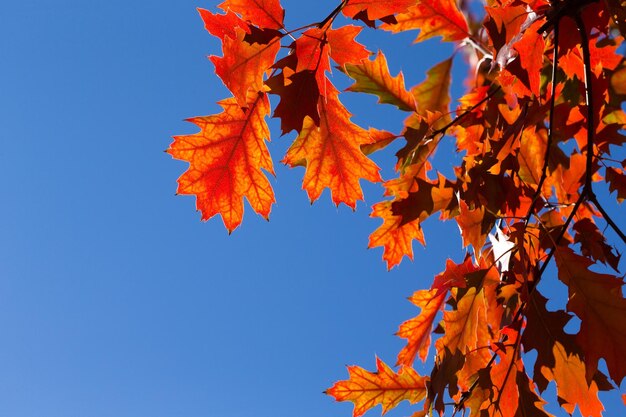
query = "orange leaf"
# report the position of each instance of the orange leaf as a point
(226, 158)
(530, 49)
(433, 18)
(373, 77)
(262, 13)
(530, 404)
(433, 94)
(417, 330)
(376, 8)
(315, 46)
(471, 224)
(332, 154)
(243, 65)
(368, 389)
(505, 399)
(572, 387)
(466, 327)
(598, 301)
(395, 237)
(222, 25)
(344, 49)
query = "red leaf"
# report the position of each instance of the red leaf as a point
(376, 9)
(226, 161)
(598, 301)
(433, 18)
(243, 65)
(332, 154)
(262, 13)
(368, 389)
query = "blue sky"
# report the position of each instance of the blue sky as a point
(115, 300)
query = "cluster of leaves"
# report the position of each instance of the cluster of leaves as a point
(536, 130)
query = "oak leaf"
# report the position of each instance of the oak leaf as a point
(433, 94)
(394, 235)
(417, 330)
(243, 65)
(262, 13)
(222, 25)
(376, 9)
(466, 326)
(373, 77)
(368, 389)
(332, 155)
(226, 161)
(617, 182)
(598, 301)
(572, 387)
(433, 18)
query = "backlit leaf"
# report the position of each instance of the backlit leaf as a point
(368, 389)
(376, 8)
(598, 301)
(226, 161)
(331, 153)
(373, 77)
(243, 65)
(433, 18)
(262, 13)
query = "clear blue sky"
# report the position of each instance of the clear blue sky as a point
(115, 300)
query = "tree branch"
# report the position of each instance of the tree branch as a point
(594, 199)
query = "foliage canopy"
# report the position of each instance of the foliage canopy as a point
(540, 127)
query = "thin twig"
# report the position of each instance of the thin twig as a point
(442, 130)
(607, 218)
(546, 160)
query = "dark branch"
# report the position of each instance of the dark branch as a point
(607, 218)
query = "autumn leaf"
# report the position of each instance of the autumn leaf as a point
(617, 182)
(393, 235)
(222, 25)
(573, 389)
(466, 327)
(593, 243)
(368, 389)
(226, 161)
(505, 398)
(417, 330)
(433, 18)
(530, 404)
(262, 13)
(530, 49)
(373, 77)
(598, 301)
(344, 49)
(472, 224)
(243, 65)
(298, 87)
(543, 330)
(332, 154)
(433, 94)
(376, 9)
